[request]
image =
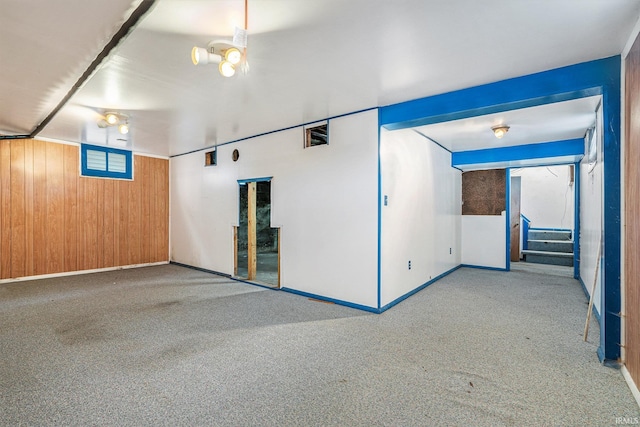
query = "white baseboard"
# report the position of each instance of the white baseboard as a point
(75, 273)
(632, 385)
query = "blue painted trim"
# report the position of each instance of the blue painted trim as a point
(560, 84)
(335, 301)
(217, 273)
(424, 114)
(594, 309)
(576, 220)
(432, 140)
(262, 179)
(482, 267)
(508, 219)
(418, 289)
(525, 231)
(275, 131)
(227, 276)
(533, 165)
(570, 147)
(611, 305)
(106, 174)
(457, 168)
(380, 202)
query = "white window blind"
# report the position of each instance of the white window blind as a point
(97, 160)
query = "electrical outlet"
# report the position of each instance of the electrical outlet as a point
(409, 265)
(386, 200)
(449, 251)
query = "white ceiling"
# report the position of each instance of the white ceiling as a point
(547, 123)
(309, 60)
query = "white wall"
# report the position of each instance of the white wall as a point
(591, 218)
(421, 222)
(484, 241)
(547, 196)
(324, 198)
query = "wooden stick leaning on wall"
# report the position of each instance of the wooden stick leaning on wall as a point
(593, 290)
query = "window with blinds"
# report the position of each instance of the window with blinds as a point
(106, 162)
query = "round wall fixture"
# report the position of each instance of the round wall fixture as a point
(235, 155)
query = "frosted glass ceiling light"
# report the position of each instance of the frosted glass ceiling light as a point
(500, 130)
(124, 128)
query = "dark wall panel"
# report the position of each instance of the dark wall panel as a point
(484, 192)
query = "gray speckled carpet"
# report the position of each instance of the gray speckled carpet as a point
(172, 346)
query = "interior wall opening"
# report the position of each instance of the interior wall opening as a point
(543, 212)
(257, 254)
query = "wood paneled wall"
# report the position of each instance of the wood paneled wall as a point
(632, 213)
(52, 220)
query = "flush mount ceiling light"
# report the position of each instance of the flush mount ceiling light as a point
(222, 52)
(500, 130)
(115, 119)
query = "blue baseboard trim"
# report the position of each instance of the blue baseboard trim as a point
(418, 289)
(226, 276)
(179, 264)
(586, 294)
(332, 300)
(481, 267)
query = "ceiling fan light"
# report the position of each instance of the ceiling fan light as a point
(123, 128)
(500, 130)
(227, 69)
(112, 118)
(233, 55)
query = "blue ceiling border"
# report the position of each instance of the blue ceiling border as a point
(569, 147)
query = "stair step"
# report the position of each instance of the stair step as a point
(547, 257)
(548, 253)
(551, 245)
(542, 234)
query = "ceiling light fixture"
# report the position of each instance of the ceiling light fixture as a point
(500, 130)
(115, 119)
(222, 52)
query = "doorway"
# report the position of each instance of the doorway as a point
(257, 244)
(543, 209)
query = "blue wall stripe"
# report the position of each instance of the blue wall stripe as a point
(570, 147)
(273, 131)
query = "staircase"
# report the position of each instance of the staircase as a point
(544, 246)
